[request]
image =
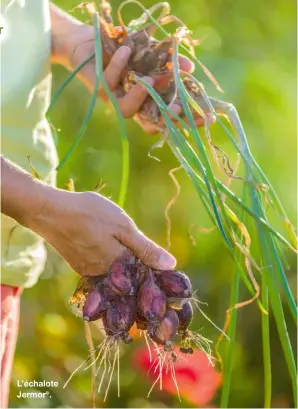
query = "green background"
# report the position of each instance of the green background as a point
(250, 47)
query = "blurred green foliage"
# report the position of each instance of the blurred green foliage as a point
(250, 47)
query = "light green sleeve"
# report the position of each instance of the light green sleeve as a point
(25, 95)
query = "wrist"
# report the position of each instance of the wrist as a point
(49, 216)
(66, 34)
(22, 196)
(31, 203)
(79, 38)
(44, 195)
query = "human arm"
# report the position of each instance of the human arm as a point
(22, 195)
(87, 229)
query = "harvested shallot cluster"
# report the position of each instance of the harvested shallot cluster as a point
(157, 302)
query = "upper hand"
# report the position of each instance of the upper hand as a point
(82, 46)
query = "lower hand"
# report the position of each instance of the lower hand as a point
(90, 232)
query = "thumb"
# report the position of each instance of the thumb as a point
(147, 251)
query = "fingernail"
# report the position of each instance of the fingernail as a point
(191, 66)
(167, 261)
(211, 118)
(124, 52)
(176, 108)
(148, 80)
(186, 65)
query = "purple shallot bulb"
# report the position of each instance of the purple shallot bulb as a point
(94, 305)
(185, 316)
(151, 300)
(165, 331)
(120, 316)
(174, 283)
(120, 278)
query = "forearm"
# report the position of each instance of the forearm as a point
(64, 29)
(22, 196)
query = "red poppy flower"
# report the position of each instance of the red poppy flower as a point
(196, 377)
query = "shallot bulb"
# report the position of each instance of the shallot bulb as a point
(174, 283)
(138, 272)
(151, 300)
(165, 331)
(185, 316)
(120, 278)
(94, 305)
(120, 316)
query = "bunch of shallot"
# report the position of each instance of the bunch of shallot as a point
(157, 301)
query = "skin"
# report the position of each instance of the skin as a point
(73, 42)
(87, 229)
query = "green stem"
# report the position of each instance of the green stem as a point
(272, 261)
(208, 175)
(124, 138)
(227, 373)
(99, 76)
(233, 320)
(67, 81)
(199, 186)
(232, 114)
(83, 127)
(227, 109)
(266, 348)
(192, 157)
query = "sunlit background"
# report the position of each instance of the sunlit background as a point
(250, 48)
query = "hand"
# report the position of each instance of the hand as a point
(87, 229)
(90, 232)
(80, 45)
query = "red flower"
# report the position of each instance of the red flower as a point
(196, 378)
